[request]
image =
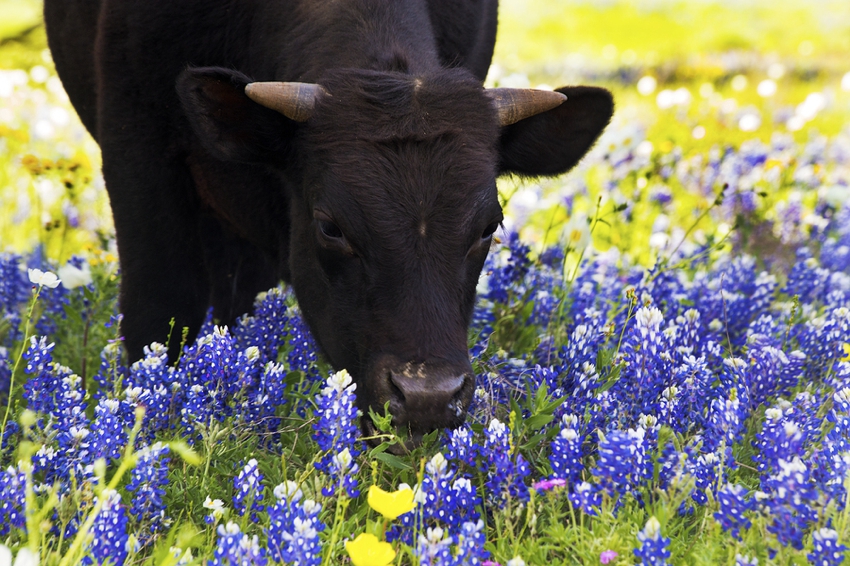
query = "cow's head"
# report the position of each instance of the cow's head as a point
(391, 181)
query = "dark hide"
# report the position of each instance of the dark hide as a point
(379, 209)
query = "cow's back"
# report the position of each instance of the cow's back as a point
(71, 35)
(465, 32)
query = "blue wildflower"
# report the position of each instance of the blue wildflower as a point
(249, 490)
(827, 551)
(653, 549)
(109, 532)
(733, 504)
(147, 482)
(433, 548)
(337, 431)
(506, 471)
(236, 548)
(12, 500)
(294, 527)
(470, 544)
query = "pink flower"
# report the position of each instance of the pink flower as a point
(546, 485)
(607, 556)
(490, 563)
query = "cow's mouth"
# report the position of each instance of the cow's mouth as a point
(451, 416)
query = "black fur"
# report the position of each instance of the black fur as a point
(374, 208)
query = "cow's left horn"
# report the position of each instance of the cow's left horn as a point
(515, 104)
(296, 101)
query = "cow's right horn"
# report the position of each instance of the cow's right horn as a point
(296, 101)
(515, 104)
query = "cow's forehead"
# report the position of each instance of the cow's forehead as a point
(380, 107)
(391, 144)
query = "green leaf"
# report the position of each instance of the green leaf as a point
(393, 461)
(538, 421)
(183, 450)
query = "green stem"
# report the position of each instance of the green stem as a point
(341, 505)
(127, 462)
(15, 368)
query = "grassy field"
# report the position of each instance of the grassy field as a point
(661, 342)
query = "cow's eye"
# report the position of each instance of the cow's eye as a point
(489, 230)
(329, 229)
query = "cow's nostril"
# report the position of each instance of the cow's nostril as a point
(395, 390)
(420, 390)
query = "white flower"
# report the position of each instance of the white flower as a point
(43, 278)
(652, 530)
(25, 557)
(216, 506)
(577, 232)
(288, 491)
(339, 381)
(516, 561)
(73, 276)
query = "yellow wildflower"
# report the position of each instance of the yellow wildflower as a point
(846, 357)
(367, 550)
(390, 505)
(32, 163)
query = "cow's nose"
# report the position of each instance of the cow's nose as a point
(428, 396)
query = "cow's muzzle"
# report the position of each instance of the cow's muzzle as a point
(427, 396)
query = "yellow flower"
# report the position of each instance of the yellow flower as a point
(390, 505)
(367, 550)
(846, 357)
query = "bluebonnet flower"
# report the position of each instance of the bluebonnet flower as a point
(741, 560)
(260, 407)
(40, 389)
(506, 277)
(733, 504)
(433, 548)
(112, 371)
(236, 548)
(12, 500)
(565, 458)
(109, 532)
(294, 527)
(109, 436)
(506, 470)
(620, 462)
(788, 498)
(336, 432)
(831, 462)
(267, 328)
(470, 544)
(781, 438)
(153, 383)
(249, 490)
(211, 381)
(461, 445)
(827, 550)
(147, 482)
(73, 430)
(587, 497)
(653, 550)
(646, 356)
(14, 292)
(443, 499)
(303, 353)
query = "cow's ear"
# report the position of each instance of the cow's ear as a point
(231, 126)
(552, 142)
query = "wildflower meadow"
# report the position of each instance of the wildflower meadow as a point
(661, 340)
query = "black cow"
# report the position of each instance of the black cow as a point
(345, 146)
